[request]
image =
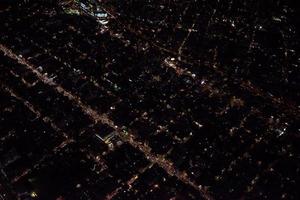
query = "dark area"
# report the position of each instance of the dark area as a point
(157, 99)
